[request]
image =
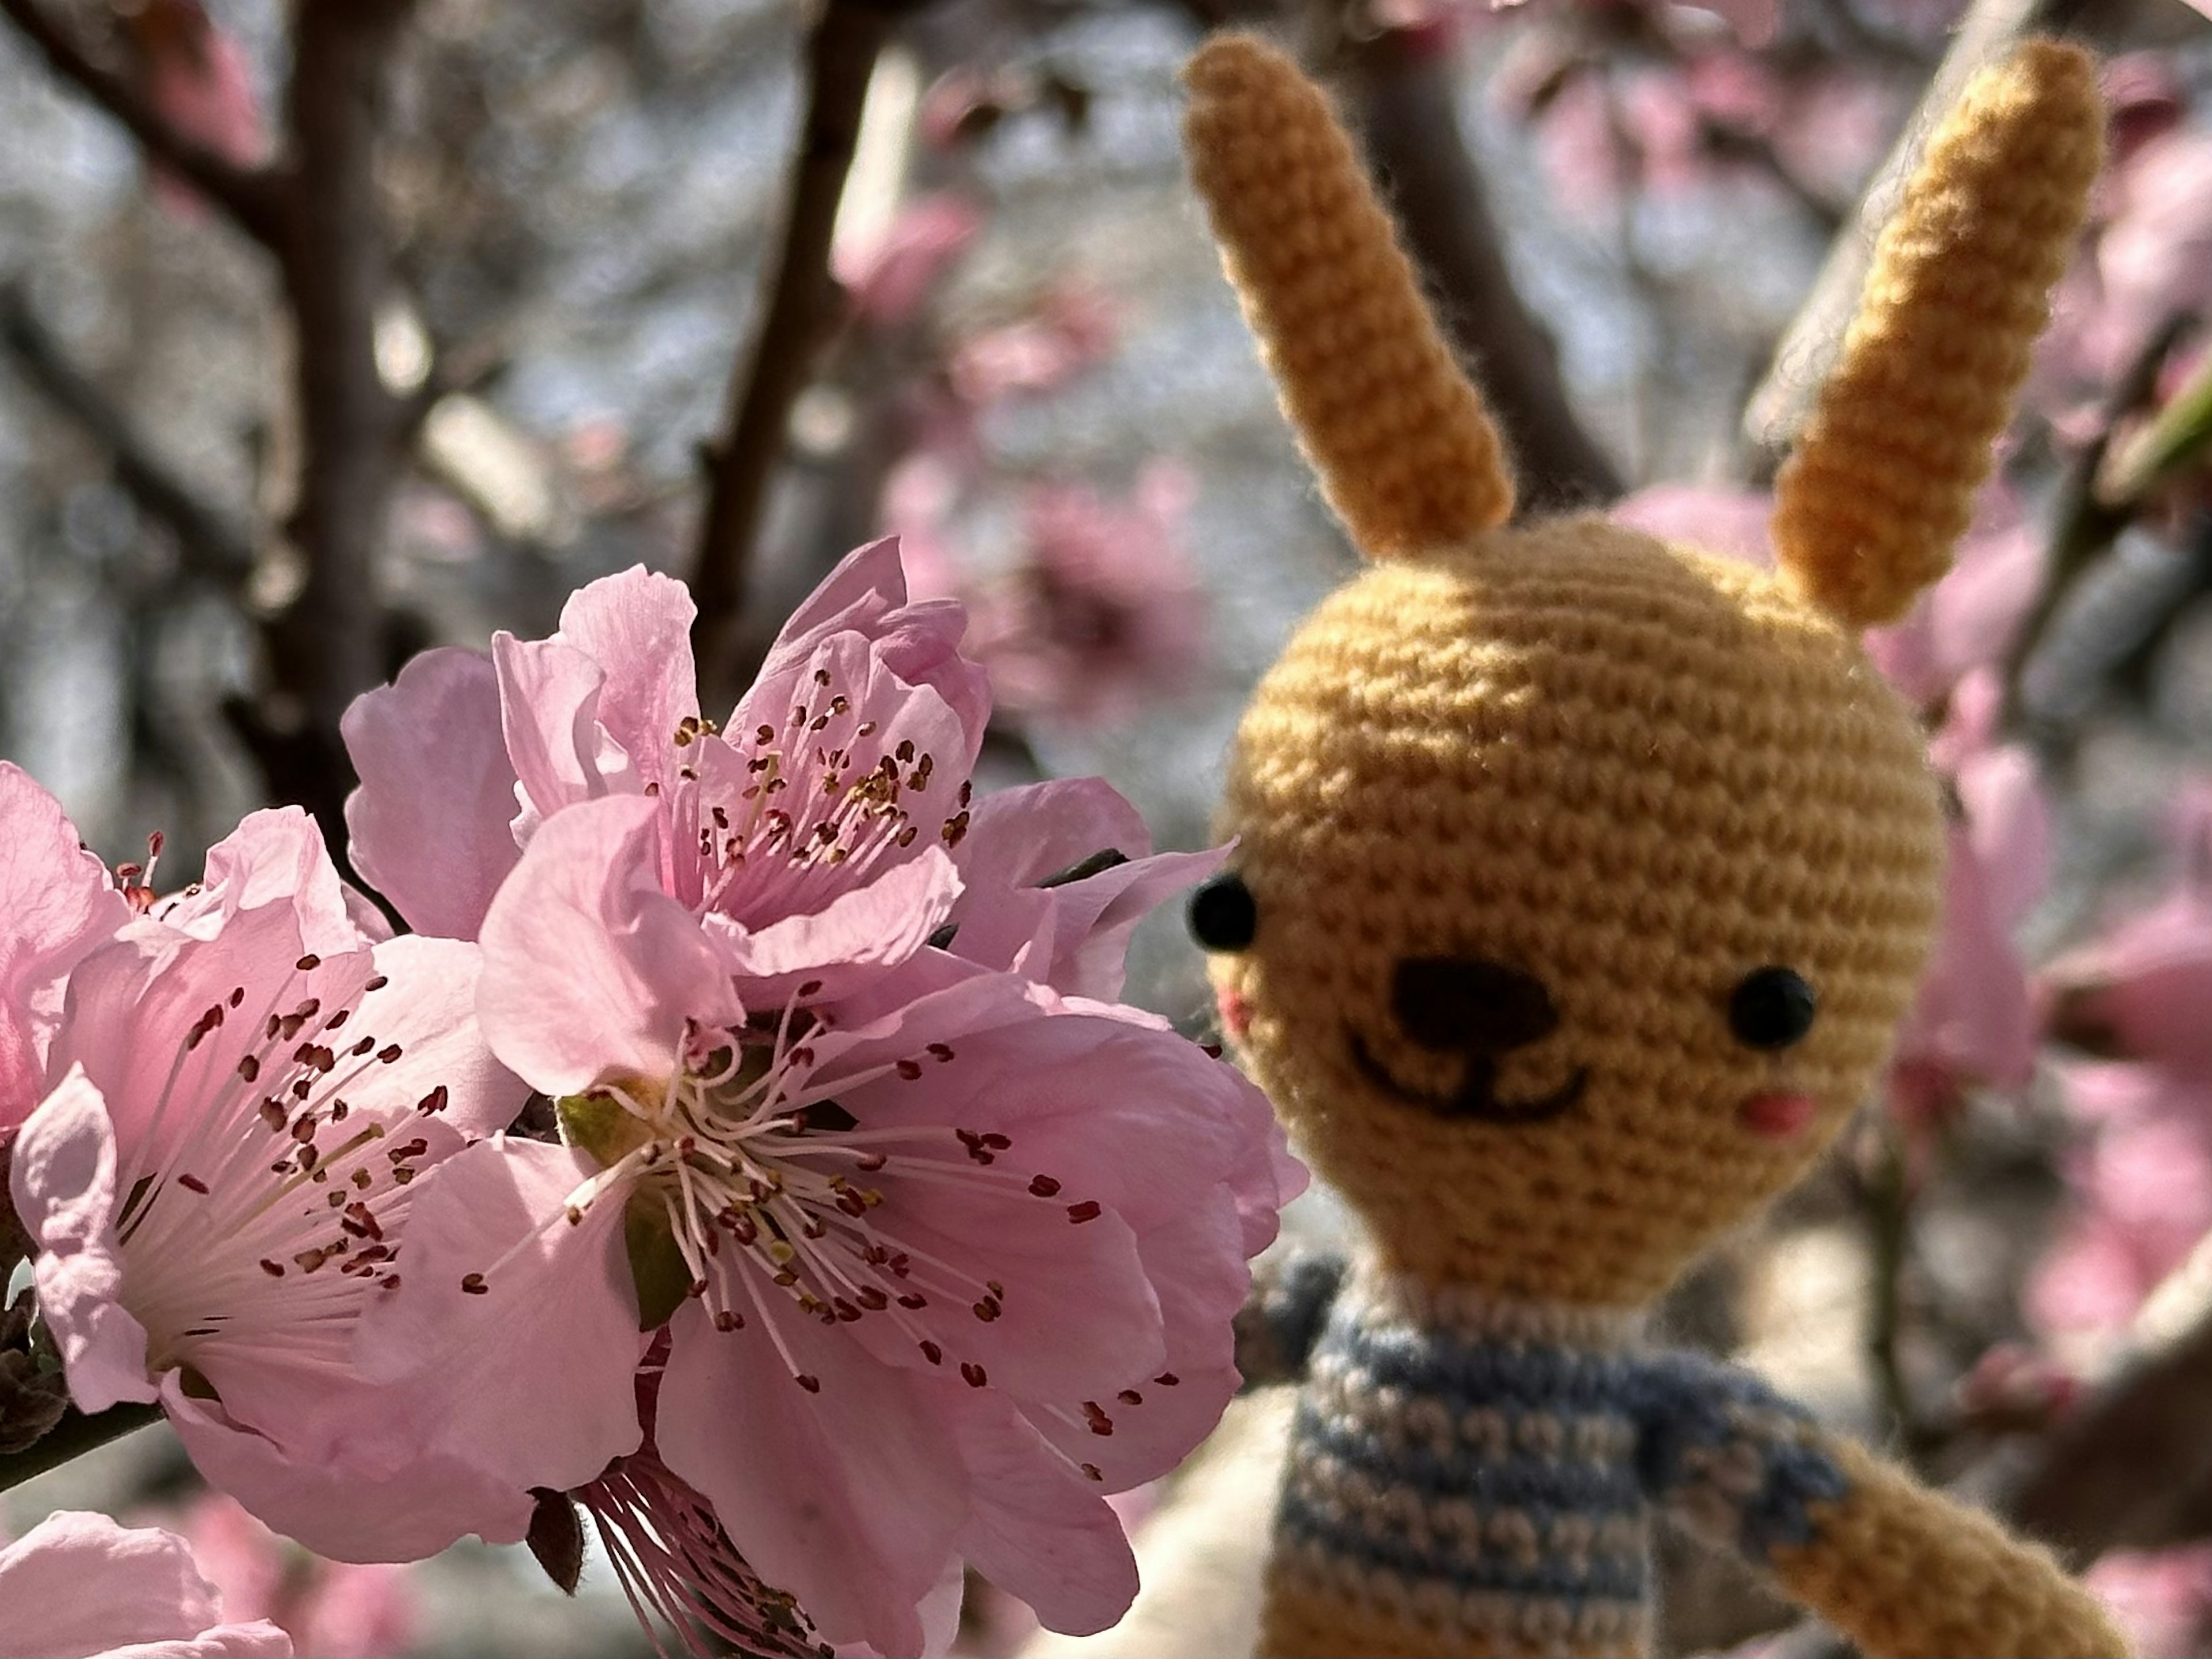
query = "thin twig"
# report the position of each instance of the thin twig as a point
(252, 197)
(799, 309)
(214, 544)
(2083, 524)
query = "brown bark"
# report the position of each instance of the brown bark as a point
(252, 196)
(799, 310)
(327, 646)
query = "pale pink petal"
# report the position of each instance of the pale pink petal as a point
(1040, 1530)
(2146, 987)
(348, 1513)
(275, 857)
(1973, 1015)
(549, 696)
(1711, 518)
(135, 1004)
(850, 1498)
(1080, 1318)
(919, 642)
(636, 626)
(78, 1585)
(427, 1008)
(56, 903)
(886, 921)
(430, 824)
(2009, 824)
(531, 1379)
(63, 1181)
(591, 970)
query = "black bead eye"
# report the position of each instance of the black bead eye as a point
(1772, 1008)
(1222, 914)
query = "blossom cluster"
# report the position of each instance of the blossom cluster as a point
(746, 1150)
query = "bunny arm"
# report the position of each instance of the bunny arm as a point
(1906, 1571)
(1901, 1570)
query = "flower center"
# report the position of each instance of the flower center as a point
(261, 1201)
(773, 1197)
(775, 807)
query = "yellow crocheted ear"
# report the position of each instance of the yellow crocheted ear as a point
(1406, 454)
(1884, 476)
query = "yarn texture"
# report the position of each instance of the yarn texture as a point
(1520, 810)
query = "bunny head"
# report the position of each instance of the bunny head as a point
(1581, 879)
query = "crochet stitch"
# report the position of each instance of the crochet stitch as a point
(1581, 882)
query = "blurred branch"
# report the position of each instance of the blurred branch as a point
(212, 542)
(2085, 523)
(327, 646)
(1405, 103)
(799, 310)
(252, 196)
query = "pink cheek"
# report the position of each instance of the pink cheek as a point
(1236, 1013)
(1777, 1117)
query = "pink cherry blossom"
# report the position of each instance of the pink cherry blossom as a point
(56, 903)
(889, 282)
(946, 1246)
(244, 1085)
(199, 79)
(2162, 1599)
(1103, 613)
(1973, 1023)
(2143, 988)
(78, 1586)
(1711, 518)
(674, 1560)
(2142, 1189)
(334, 1608)
(1069, 330)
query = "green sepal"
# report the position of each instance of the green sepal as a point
(596, 1124)
(656, 1266)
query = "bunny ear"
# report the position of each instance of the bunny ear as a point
(1883, 479)
(1406, 452)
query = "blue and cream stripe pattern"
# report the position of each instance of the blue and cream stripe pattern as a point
(1486, 1472)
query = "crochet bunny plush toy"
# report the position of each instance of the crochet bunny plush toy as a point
(1581, 881)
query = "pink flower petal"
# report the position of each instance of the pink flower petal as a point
(347, 1513)
(430, 824)
(886, 921)
(532, 1378)
(429, 1001)
(63, 1181)
(1040, 1530)
(56, 903)
(78, 1585)
(549, 696)
(636, 626)
(590, 970)
(275, 857)
(850, 1498)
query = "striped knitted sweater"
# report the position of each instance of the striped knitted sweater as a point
(1484, 1474)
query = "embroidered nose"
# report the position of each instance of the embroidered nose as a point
(1470, 1005)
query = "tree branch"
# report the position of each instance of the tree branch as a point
(1404, 101)
(799, 310)
(327, 646)
(252, 196)
(213, 542)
